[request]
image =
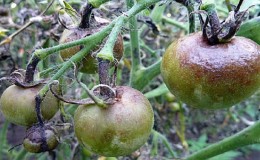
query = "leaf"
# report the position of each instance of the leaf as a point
(227, 156)
(250, 29)
(72, 13)
(199, 144)
(3, 32)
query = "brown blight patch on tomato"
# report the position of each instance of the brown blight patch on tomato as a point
(211, 76)
(119, 129)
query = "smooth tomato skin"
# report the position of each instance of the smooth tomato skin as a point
(211, 77)
(18, 105)
(89, 64)
(119, 129)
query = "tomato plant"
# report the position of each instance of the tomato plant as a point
(116, 108)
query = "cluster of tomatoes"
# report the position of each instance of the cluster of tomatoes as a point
(202, 75)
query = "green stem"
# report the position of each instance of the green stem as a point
(47, 71)
(41, 54)
(97, 3)
(156, 16)
(228, 5)
(157, 13)
(144, 75)
(175, 23)
(162, 89)
(165, 142)
(192, 23)
(135, 47)
(3, 134)
(98, 101)
(22, 153)
(106, 52)
(74, 59)
(250, 135)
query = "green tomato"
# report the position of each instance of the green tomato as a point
(119, 129)
(18, 105)
(211, 76)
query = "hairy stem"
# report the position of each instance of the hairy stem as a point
(175, 23)
(106, 52)
(143, 76)
(250, 135)
(97, 3)
(135, 47)
(98, 101)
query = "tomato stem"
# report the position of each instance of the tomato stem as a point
(30, 69)
(38, 101)
(248, 136)
(103, 72)
(106, 52)
(238, 6)
(210, 8)
(175, 23)
(97, 3)
(86, 16)
(135, 47)
(97, 100)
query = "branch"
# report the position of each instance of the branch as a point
(250, 135)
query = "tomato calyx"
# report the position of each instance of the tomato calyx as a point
(216, 32)
(18, 78)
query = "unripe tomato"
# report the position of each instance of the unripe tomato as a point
(119, 129)
(211, 76)
(89, 63)
(40, 139)
(18, 105)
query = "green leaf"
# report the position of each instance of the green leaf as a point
(250, 29)
(196, 145)
(73, 14)
(227, 156)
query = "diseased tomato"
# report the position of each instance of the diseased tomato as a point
(40, 139)
(89, 63)
(18, 105)
(211, 76)
(119, 129)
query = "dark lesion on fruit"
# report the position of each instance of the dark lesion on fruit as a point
(41, 138)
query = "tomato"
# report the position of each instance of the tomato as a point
(18, 105)
(211, 76)
(40, 139)
(119, 129)
(89, 63)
